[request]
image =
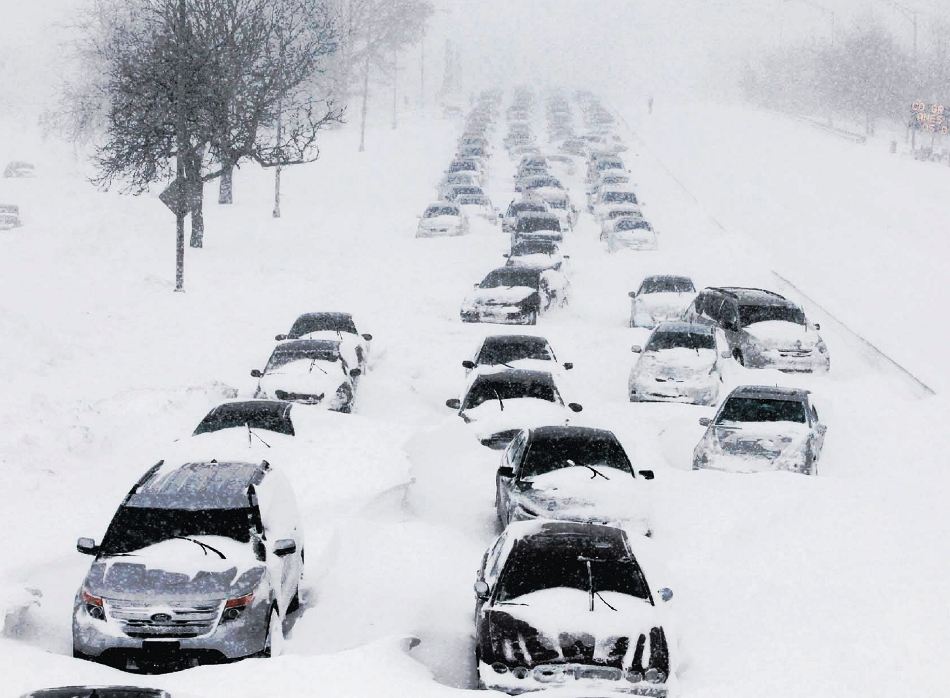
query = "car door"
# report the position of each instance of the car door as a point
(281, 521)
(694, 311)
(510, 459)
(728, 321)
(819, 430)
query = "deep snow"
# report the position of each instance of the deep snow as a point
(785, 585)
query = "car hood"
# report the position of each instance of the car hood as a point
(667, 304)
(561, 619)
(782, 334)
(676, 363)
(536, 261)
(297, 377)
(577, 494)
(440, 222)
(178, 568)
(488, 418)
(760, 440)
(500, 295)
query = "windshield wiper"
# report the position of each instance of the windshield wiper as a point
(506, 365)
(595, 471)
(203, 546)
(510, 603)
(606, 603)
(590, 584)
(313, 362)
(251, 433)
(501, 402)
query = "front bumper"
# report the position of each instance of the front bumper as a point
(585, 678)
(789, 361)
(694, 393)
(500, 314)
(118, 642)
(440, 232)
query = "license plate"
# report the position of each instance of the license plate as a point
(161, 647)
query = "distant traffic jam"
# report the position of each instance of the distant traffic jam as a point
(204, 558)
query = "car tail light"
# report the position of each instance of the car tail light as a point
(93, 605)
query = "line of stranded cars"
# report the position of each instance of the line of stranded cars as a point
(203, 559)
(561, 599)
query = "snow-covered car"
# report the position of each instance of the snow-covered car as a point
(467, 165)
(467, 140)
(202, 560)
(762, 428)
(534, 161)
(499, 404)
(573, 146)
(309, 371)
(763, 328)
(616, 213)
(612, 179)
(566, 606)
(19, 168)
(457, 190)
(454, 179)
(513, 296)
(559, 203)
(510, 217)
(564, 163)
(536, 254)
(9, 217)
(660, 297)
(515, 351)
(597, 166)
(526, 173)
(679, 363)
(442, 219)
(542, 186)
(611, 197)
(337, 327)
(629, 233)
(98, 692)
(477, 205)
(537, 226)
(473, 151)
(570, 473)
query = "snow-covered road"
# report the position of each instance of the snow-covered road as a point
(842, 573)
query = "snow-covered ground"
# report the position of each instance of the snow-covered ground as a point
(785, 585)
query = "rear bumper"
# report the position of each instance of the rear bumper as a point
(585, 679)
(505, 315)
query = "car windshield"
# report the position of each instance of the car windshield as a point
(462, 166)
(505, 350)
(322, 322)
(623, 212)
(523, 206)
(759, 409)
(565, 565)
(134, 528)
(681, 340)
(557, 202)
(285, 355)
(548, 453)
(537, 182)
(435, 211)
(532, 224)
(632, 224)
(616, 197)
(510, 276)
(272, 416)
(609, 165)
(473, 200)
(666, 284)
(539, 386)
(751, 314)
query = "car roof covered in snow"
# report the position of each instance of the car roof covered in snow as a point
(273, 415)
(319, 348)
(502, 339)
(564, 431)
(195, 486)
(772, 392)
(757, 296)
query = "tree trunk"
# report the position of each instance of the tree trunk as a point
(226, 185)
(365, 93)
(197, 213)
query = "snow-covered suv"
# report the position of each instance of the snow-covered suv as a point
(764, 329)
(202, 561)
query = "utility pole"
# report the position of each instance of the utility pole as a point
(280, 113)
(181, 145)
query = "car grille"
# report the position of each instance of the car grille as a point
(795, 353)
(174, 620)
(298, 397)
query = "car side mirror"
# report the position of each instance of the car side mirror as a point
(280, 337)
(568, 365)
(565, 256)
(665, 593)
(636, 349)
(704, 421)
(506, 471)
(355, 373)
(367, 336)
(632, 294)
(817, 326)
(476, 285)
(646, 474)
(284, 547)
(87, 546)
(256, 373)
(468, 364)
(454, 403)
(575, 407)
(482, 590)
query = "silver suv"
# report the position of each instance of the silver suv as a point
(764, 329)
(201, 562)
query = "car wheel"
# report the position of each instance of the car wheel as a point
(274, 642)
